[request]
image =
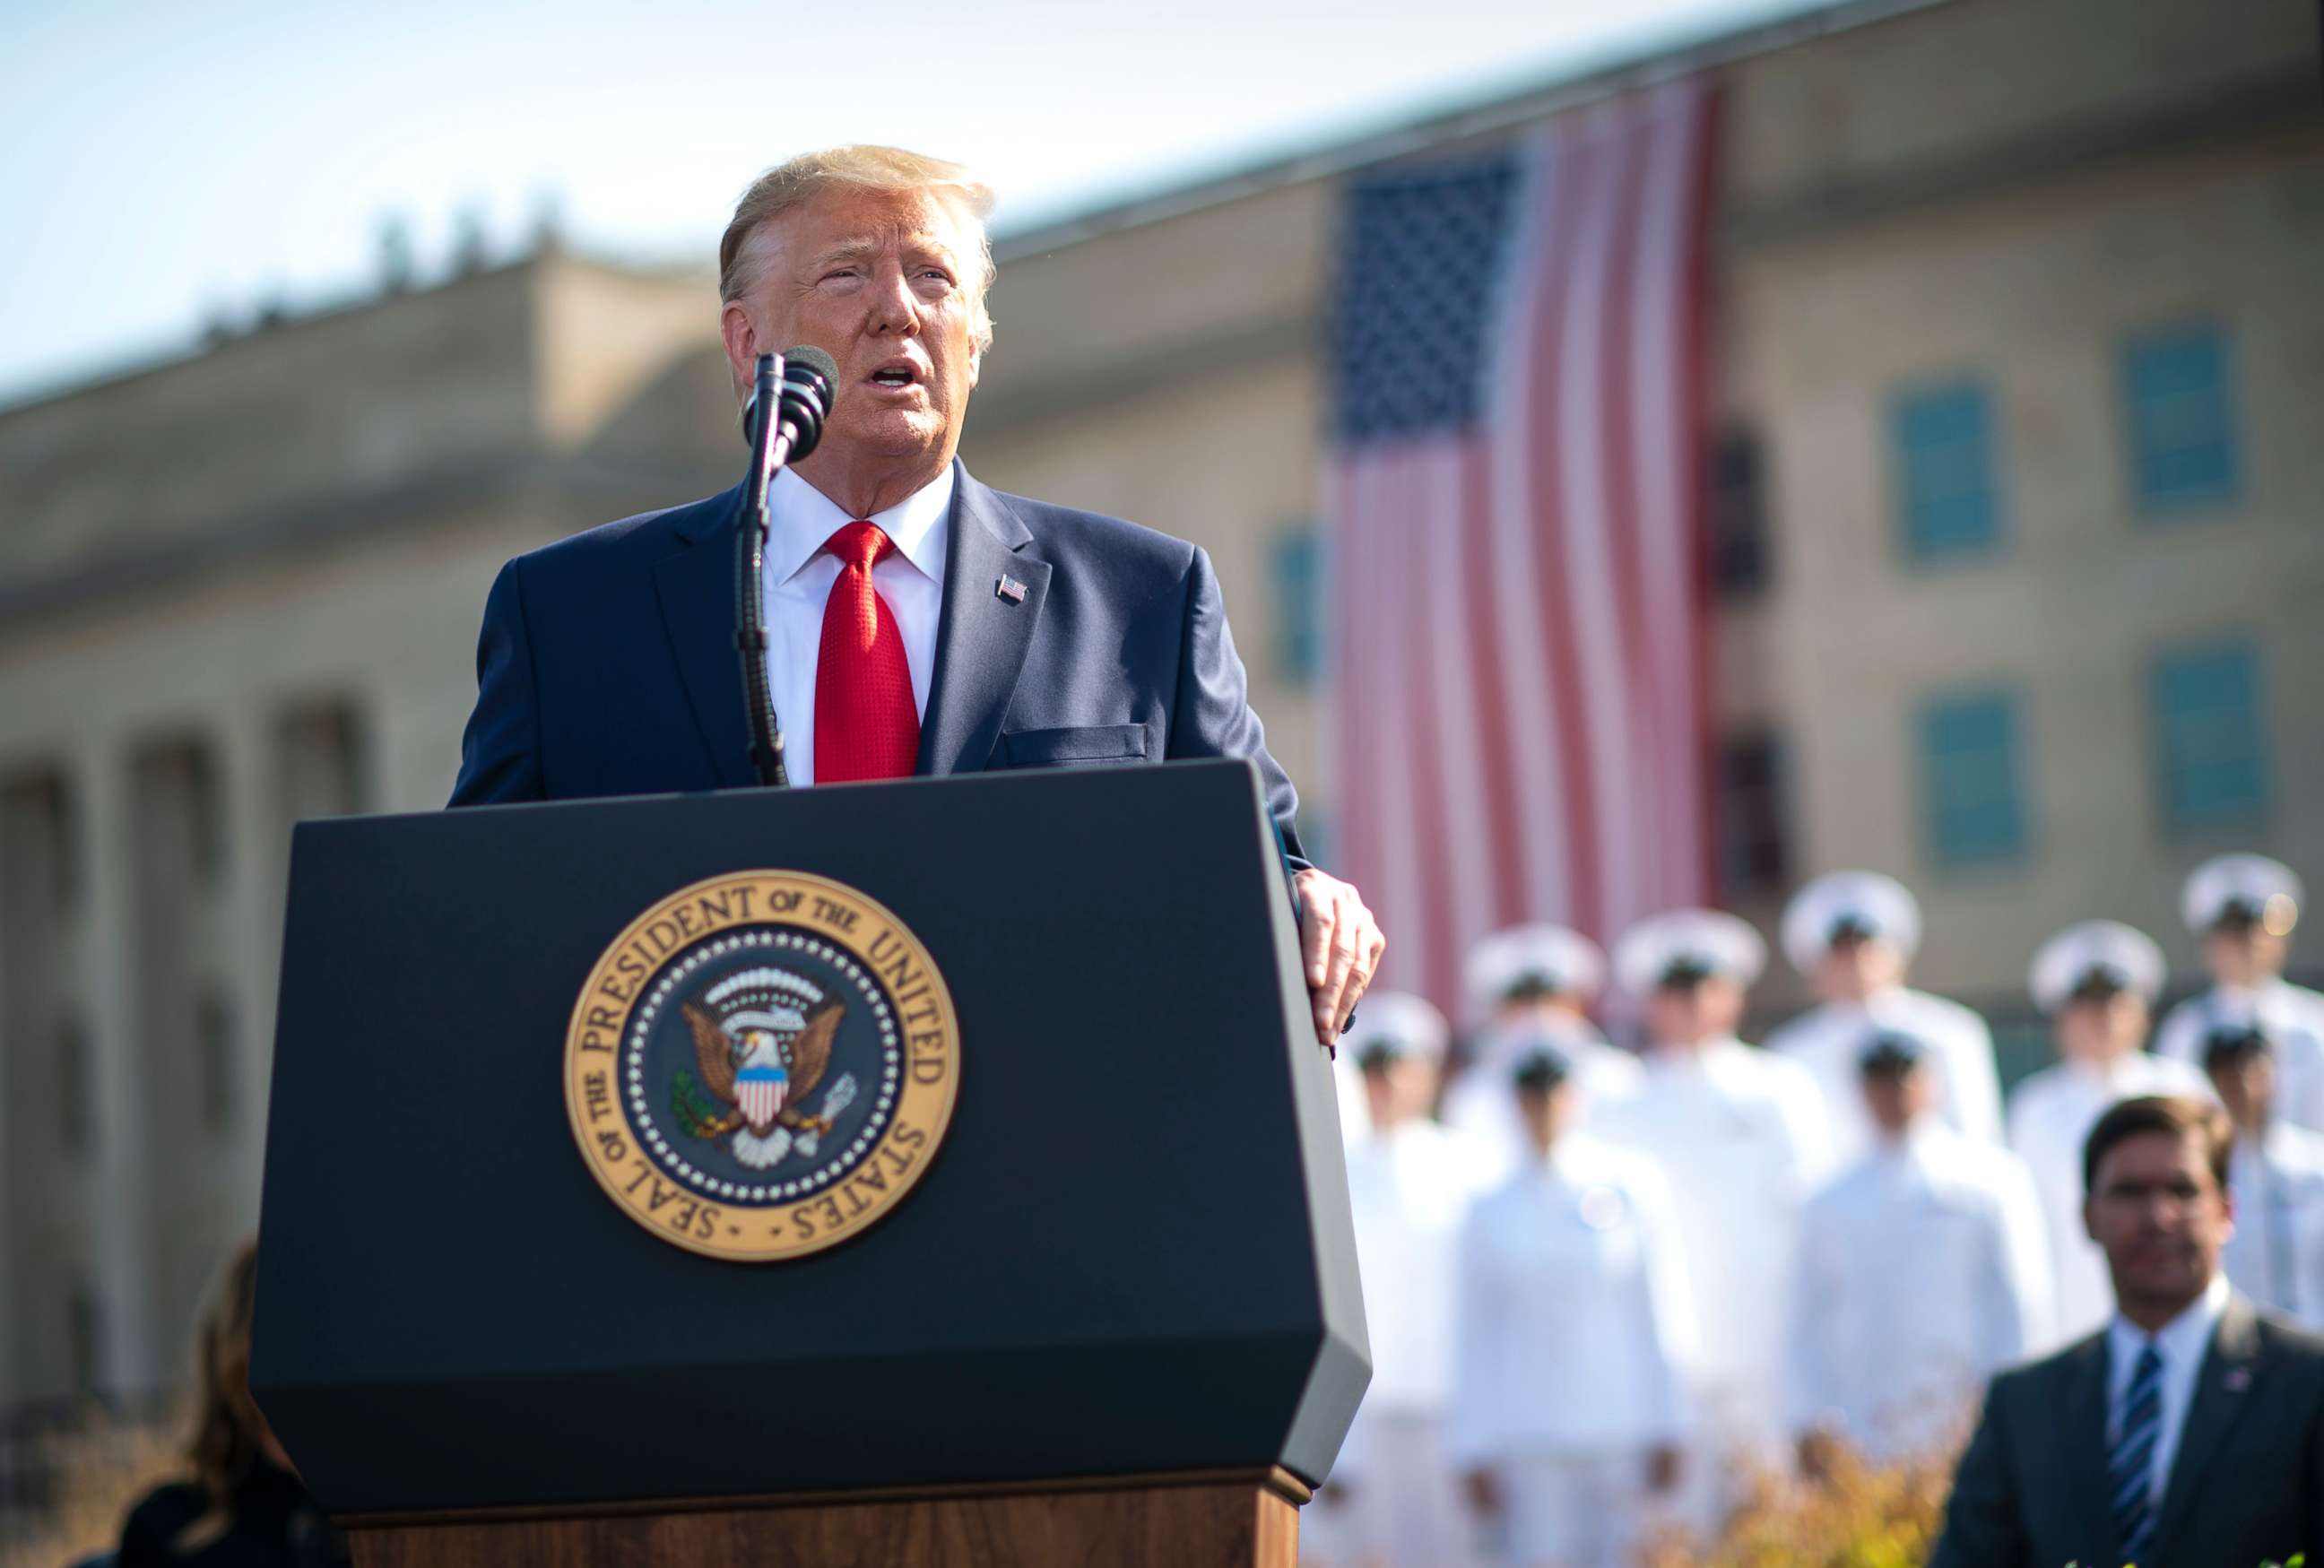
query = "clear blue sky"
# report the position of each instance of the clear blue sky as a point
(168, 164)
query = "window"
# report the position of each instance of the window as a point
(39, 839)
(1298, 574)
(1754, 851)
(1947, 502)
(1971, 773)
(215, 1058)
(321, 754)
(2211, 746)
(2177, 385)
(83, 1336)
(76, 1115)
(1739, 516)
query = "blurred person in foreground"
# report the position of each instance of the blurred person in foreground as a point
(1739, 1135)
(1923, 1272)
(2276, 1255)
(2098, 982)
(1531, 986)
(1392, 1500)
(2189, 1432)
(2243, 908)
(919, 622)
(1853, 935)
(1574, 1312)
(244, 1507)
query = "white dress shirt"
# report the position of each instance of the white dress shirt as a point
(1741, 1135)
(1829, 1041)
(2050, 1115)
(2294, 1018)
(1923, 1271)
(1409, 1188)
(796, 576)
(2183, 1343)
(2276, 1255)
(1481, 1104)
(1575, 1310)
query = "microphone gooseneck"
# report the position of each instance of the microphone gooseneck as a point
(798, 387)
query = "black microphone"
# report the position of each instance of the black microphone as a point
(800, 398)
(810, 379)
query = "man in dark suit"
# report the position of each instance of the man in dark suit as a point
(2188, 1433)
(918, 621)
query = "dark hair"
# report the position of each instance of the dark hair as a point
(2177, 1114)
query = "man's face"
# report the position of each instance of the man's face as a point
(1530, 1009)
(2243, 954)
(1399, 1089)
(1690, 1015)
(1896, 1099)
(1547, 1114)
(1856, 967)
(881, 281)
(2099, 1029)
(2161, 1219)
(2246, 1083)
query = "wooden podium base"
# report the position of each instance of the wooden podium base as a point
(1204, 1519)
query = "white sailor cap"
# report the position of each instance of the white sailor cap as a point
(1864, 903)
(2250, 888)
(1688, 944)
(1550, 958)
(1397, 1023)
(2101, 952)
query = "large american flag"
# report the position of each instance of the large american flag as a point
(1515, 496)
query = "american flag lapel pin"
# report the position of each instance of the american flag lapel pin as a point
(1010, 589)
(2238, 1380)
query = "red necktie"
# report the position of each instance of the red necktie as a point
(866, 725)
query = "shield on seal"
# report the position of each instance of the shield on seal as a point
(759, 1090)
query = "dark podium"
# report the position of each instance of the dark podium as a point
(1116, 1321)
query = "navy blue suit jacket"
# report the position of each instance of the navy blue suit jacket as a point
(606, 665)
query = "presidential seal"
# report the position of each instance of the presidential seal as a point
(761, 1066)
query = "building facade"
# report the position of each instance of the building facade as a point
(2016, 487)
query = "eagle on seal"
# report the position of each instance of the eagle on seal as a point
(766, 1080)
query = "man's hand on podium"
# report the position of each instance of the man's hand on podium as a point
(1343, 945)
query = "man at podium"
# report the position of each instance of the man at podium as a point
(918, 622)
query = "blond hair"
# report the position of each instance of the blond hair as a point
(741, 256)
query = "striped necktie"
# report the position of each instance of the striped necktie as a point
(2130, 1471)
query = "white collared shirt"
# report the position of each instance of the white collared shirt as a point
(796, 578)
(2276, 1254)
(1923, 1272)
(2184, 1341)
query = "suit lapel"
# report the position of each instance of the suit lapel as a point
(2223, 1392)
(981, 637)
(696, 585)
(2084, 1446)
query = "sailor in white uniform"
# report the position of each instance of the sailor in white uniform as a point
(1923, 1272)
(2277, 1177)
(2098, 980)
(1393, 1500)
(1852, 935)
(1573, 1314)
(1531, 986)
(1740, 1135)
(2244, 906)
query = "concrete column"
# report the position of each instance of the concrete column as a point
(122, 1265)
(250, 951)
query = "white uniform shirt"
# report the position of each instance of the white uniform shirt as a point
(2294, 1018)
(1573, 1310)
(1829, 1041)
(2050, 1115)
(2276, 1255)
(797, 575)
(1741, 1135)
(1923, 1271)
(2184, 1341)
(1409, 1188)
(1481, 1104)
